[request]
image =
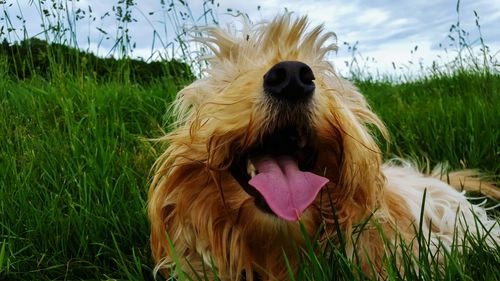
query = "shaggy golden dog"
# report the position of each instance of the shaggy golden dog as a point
(271, 139)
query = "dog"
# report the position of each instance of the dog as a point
(272, 140)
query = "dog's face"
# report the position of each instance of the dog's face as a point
(270, 136)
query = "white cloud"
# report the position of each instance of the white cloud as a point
(372, 17)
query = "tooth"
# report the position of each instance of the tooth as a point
(251, 169)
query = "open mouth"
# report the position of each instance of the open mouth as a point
(276, 171)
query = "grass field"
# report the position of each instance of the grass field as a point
(75, 165)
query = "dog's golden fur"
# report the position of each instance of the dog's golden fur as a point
(198, 209)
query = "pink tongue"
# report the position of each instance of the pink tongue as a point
(287, 190)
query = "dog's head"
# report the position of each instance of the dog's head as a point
(271, 135)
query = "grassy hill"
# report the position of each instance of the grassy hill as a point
(35, 57)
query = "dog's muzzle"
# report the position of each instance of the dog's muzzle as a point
(278, 169)
(290, 81)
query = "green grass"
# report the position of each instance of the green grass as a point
(445, 118)
(476, 261)
(75, 168)
(74, 177)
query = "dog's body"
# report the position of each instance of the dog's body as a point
(272, 138)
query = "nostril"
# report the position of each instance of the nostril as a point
(306, 75)
(275, 77)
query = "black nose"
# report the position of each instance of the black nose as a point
(289, 80)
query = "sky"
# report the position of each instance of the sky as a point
(386, 33)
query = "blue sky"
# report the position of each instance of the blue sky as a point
(386, 31)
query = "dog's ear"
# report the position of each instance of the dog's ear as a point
(189, 99)
(192, 95)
